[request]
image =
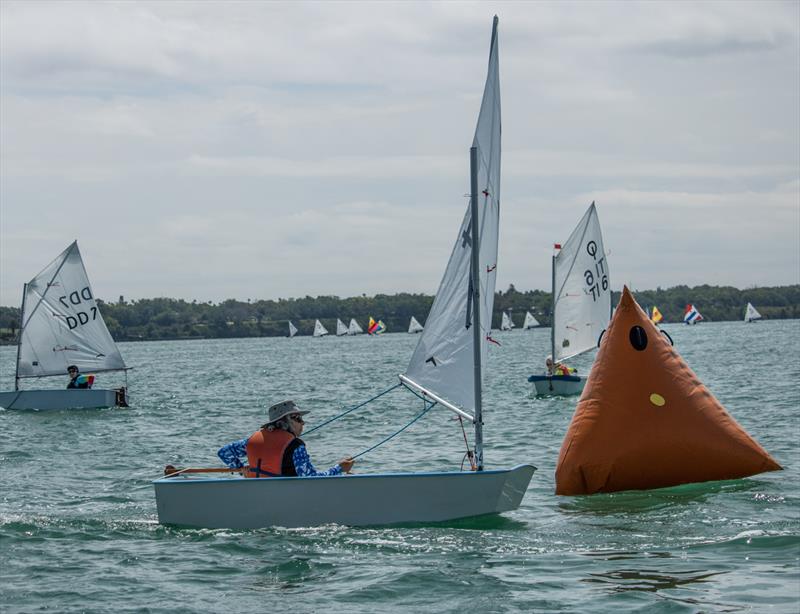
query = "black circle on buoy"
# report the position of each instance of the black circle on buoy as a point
(638, 338)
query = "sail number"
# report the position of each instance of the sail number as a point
(75, 299)
(597, 279)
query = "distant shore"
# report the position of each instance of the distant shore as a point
(174, 319)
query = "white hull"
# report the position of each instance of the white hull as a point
(558, 385)
(59, 399)
(355, 500)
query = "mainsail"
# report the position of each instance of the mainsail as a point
(341, 329)
(414, 326)
(506, 323)
(61, 323)
(751, 313)
(530, 321)
(581, 289)
(691, 315)
(354, 328)
(443, 361)
(319, 329)
(292, 329)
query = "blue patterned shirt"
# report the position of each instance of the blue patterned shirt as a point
(232, 454)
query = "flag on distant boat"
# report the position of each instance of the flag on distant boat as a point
(691, 316)
(376, 328)
(655, 315)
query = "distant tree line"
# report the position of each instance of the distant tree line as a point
(166, 318)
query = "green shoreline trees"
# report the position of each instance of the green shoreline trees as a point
(165, 318)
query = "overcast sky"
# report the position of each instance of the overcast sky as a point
(206, 151)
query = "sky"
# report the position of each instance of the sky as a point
(257, 150)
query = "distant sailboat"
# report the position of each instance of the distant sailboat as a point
(354, 328)
(530, 321)
(319, 329)
(507, 323)
(61, 325)
(292, 329)
(751, 315)
(581, 302)
(691, 315)
(655, 315)
(376, 328)
(341, 329)
(414, 326)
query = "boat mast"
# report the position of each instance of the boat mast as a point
(476, 307)
(553, 315)
(19, 341)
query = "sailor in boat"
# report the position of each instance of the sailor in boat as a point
(76, 380)
(276, 448)
(558, 368)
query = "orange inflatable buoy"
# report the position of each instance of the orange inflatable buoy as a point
(646, 421)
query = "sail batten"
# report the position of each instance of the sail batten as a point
(444, 359)
(62, 324)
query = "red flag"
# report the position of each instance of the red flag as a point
(557, 246)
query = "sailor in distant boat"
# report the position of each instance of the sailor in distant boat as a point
(558, 368)
(76, 380)
(276, 450)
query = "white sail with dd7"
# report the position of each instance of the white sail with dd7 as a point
(582, 290)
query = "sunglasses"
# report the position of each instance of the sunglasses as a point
(298, 419)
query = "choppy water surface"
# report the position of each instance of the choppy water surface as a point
(78, 529)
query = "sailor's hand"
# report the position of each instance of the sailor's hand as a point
(346, 464)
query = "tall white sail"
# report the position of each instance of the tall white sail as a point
(506, 323)
(751, 313)
(319, 329)
(414, 326)
(354, 328)
(443, 360)
(292, 329)
(341, 329)
(582, 290)
(61, 323)
(530, 321)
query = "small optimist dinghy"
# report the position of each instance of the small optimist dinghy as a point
(61, 325)
(445, 370)
(645, 420)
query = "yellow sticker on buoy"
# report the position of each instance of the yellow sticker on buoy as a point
(657, 400)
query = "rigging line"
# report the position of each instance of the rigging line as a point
(344, 413)
(396, 433)
(466, 443)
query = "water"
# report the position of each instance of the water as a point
(78, 529)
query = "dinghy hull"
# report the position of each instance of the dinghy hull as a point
(62, 399)
(558, 385)
(355, 500)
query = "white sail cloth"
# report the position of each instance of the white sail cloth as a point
(507, 323)
(341, 329)
(443, 360)
(414, 326)
(292, 329)
(354, 328)
(530, 321)
(319, 329)
(61, 323)
(751, 313)
(582, 292)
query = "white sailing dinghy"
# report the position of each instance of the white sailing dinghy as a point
(319, 329)
(354, 328)
(414, 326)
(751, 314)
(61, 325)
(581, 302)
(530, 322)
(341, 329)
(292, 329)
(507, 323)
(445, 368)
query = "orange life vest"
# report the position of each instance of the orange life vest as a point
(269, 453)
(562, 369)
